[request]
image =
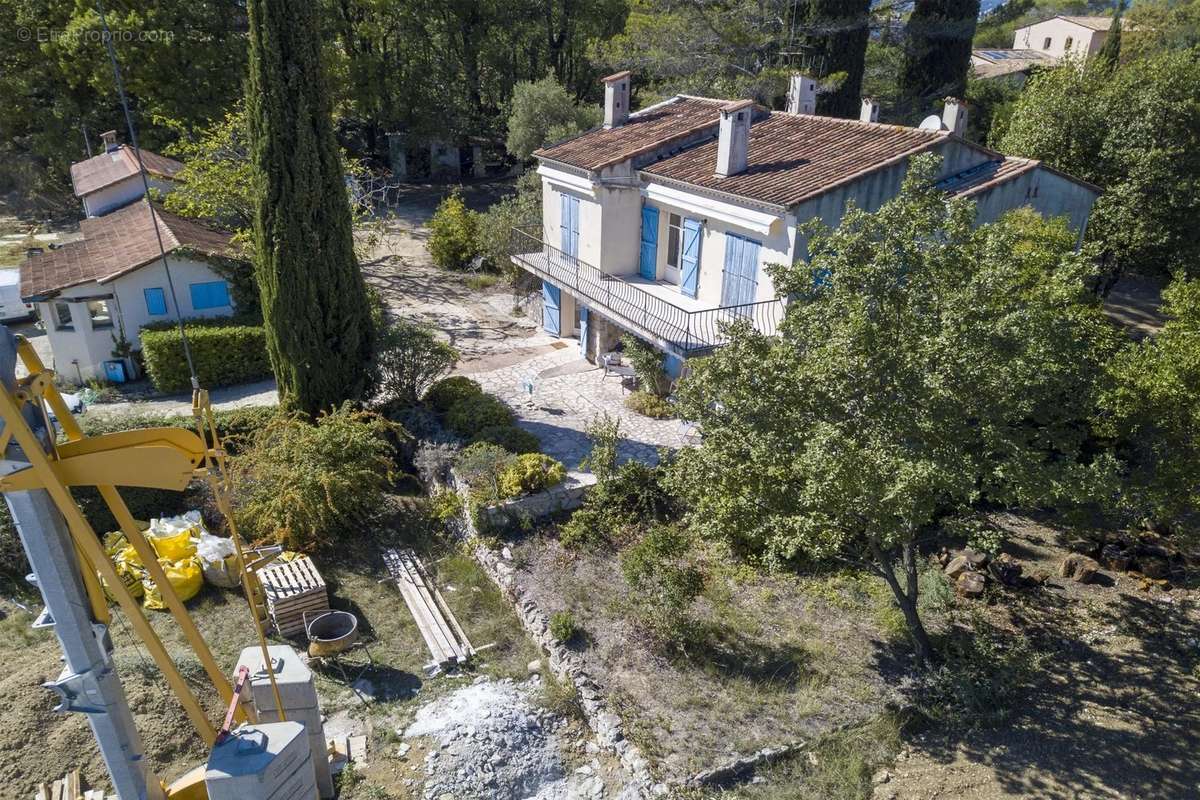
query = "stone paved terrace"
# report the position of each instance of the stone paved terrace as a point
(568, 394)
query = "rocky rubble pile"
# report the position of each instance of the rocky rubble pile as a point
(1144, 554)
(970, 570)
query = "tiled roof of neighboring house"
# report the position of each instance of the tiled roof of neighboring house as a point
(1095, 23)
(792, 157)
(984, 176)
(108, 168)
(645, 130)
(1006, 62)
(114, 245)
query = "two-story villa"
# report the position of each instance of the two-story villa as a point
(660, 222)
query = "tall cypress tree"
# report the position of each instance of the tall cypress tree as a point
(937, 52)
(1110, 52)
(836, 33)
(314, 301)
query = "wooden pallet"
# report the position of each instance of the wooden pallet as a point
(445, 638)
(69, 787)
(291, 589)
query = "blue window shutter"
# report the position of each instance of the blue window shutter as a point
(214, 294)
(551, 305)
(156, 301)
(575, 226)
(691, 257)
(564, 223)
(733, 259)
(648, 262)
(749, 271)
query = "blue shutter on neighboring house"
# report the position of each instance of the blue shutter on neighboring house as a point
(156, 302)
(690, 282)
(214, 294)
(551, 300)
(568, 224)
(648, 263)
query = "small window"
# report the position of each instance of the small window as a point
(99, 314)
(674, 238)
(1046, 44)
(62, 316)
(156, 301)
(1067, 44)
(210, 295)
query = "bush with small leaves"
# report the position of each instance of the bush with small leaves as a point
(663, 582)
(408, 359)
(647, 364)
(472, 414)
(510, 437)
(448, 391)
(613, 510)
(604, 432)
(649, 405)
(563, 626)
(530, 473)
(453, 233)
(446, 506)
(480, 466)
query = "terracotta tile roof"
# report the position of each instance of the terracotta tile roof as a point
(1005, 62)
(982, 177)
(644, 131)
(791, 157)
(114, 245)
(106, 169)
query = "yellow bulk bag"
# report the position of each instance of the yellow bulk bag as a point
(177, 546)
(185, 576)
(130, 575)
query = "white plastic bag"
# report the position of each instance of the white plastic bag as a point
(218, 561)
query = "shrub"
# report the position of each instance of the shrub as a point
(647, 364)
(448, 391)
(305, 485)
(513, 439)
(453, 233)
(632, 496)
(563, 626)
(605, 434)
(481, 465)
(649, 405)
(433, 460)
(446, 506)
(663, 582)
(223, 354)
(530, 473)
(471, 415)
(408, 359)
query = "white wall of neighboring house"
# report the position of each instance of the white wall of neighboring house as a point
(1084, 40)
(1048, 193)
(82, 350)
(120, 194)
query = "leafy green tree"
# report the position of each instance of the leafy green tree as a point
(1158, 25)
(937, 52)
(1134, 131)
(1152, 412)
(314, 300)
(543, 112)
(494, 231)
(409, 358)
(216, 182)
(835, 43)
(924, 367)
(1110, 51)
(453, 233)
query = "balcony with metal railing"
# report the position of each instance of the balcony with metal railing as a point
(647, 308)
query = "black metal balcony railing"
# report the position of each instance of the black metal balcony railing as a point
(689, 332)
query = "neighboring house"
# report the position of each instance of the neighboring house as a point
(1042, 44)
(661, 222)
(110, 283)
(112, 180)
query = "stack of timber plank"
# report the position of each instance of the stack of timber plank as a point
(69, 787)
(293, 588)
(447, 642)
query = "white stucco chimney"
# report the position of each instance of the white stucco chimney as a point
(870, 110)
(616, 99)
(109, 138)
(802, 94)
(734, 138)
(954, 116)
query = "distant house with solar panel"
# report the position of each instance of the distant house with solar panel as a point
(110, 283)
(660, 222)
(1043, 44)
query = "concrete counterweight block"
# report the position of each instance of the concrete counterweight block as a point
(269, 761)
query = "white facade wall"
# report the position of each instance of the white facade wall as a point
(120, 194)
(1084, 40)
(1048, 193)
(81, 352)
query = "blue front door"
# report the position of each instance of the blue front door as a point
(569, 225)
(551, 308)
(648, 263)
(741, 271)
(689, 282)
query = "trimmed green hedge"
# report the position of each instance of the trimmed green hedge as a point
(472, 414)
(225, 352)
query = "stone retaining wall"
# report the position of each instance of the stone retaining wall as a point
(566, 496)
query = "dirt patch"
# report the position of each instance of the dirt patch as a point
(1113, 712)
(775, 664)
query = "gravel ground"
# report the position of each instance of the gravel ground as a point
(490, 741)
